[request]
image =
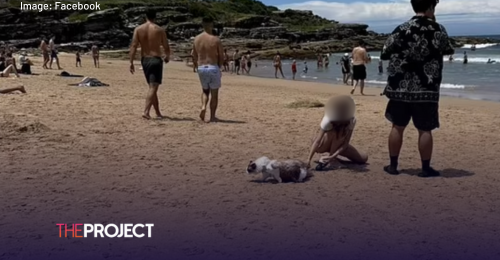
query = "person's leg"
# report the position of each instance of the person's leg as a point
(294, 75)
(362, 80)
(399, 114)
(45, 61)
(281, 71)
(95, 61)
(150, 99)
(426, 119)
(10, 69)
(276, 71)
(354, 155)
(215, 84)
(214, 102)
(98, 66)
(204, 101)
(9, 90)
(204, 76)
(57, 62)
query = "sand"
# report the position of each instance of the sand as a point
(85, 155)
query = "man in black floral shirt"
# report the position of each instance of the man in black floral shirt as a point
(415, 52)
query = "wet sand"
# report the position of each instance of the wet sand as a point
(85, 155)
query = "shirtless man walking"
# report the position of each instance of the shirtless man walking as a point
(150, 37)
(53, 54)
(45, 53)
(209, 54)
(95, 55)
(359, 60)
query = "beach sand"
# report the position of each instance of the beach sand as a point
(85, 155)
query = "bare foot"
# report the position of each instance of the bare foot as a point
(202, 114)
(145, 116)
(352, 91)
(22, 89)
(214, 120)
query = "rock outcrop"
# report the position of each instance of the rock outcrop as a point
(113, 28)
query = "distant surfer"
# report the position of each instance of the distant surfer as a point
(490, 61)
(450, 59)
(473, 48)
(466, 60)
(380, 67)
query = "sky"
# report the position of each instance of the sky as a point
(460, 17)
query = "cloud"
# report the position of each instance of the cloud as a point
(383, 15)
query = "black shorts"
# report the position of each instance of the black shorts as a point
(153, 69)
(346, 70)
(237, 63)
(359, 72)
(425, 115)
(53, 54)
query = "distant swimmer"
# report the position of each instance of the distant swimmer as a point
(345, 63)
(451, 58)
(305, 67)
(490, 61)
(294, 69)
(278, 65)
(473, 48)
(95, 55)
(151, 38)
(380, 67)
(359, 59)
(466, 60)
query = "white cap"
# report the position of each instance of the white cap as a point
(346, 54)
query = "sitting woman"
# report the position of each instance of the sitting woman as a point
(335, 134)
(25, 63)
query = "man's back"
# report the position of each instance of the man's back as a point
(150, 37)
(359, 56)
(415, 52)
(208, 49)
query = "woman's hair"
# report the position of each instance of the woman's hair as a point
(340, 128)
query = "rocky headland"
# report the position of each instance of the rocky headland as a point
(247, 25)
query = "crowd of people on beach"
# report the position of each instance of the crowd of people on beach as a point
(413, 91)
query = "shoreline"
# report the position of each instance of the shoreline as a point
(445, 93)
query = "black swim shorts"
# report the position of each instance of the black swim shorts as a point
(153, 69)
(359, 72)
(347, 70)
(237, 63)
(425, 115)
(53, 54)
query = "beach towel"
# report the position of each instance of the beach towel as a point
(90, 82)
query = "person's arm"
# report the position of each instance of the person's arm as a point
(194, 56)
(133, 46)
(315, 145)
(166, 45)
(344, 145)
(391, 46)
(445, 40)
(220, 53)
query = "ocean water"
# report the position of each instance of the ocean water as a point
(475, 80)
